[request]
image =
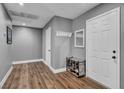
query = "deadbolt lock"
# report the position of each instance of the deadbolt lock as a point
(113, 57)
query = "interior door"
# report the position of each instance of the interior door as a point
(48, 46)
(103, 48)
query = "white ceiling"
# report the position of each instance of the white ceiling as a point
(38, 14)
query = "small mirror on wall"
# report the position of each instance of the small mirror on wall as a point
(79, 38)
(9, 35)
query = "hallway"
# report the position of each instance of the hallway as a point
(39, 41)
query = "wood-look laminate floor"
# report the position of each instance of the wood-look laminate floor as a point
(38, 76)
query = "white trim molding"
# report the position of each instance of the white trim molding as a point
(55, 70)
(42, 60)
(27, 61)
(59, 70)
(5, 77)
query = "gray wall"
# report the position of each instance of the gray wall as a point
(5, 59)
(27, 44)
(80, 22)
(60, 45)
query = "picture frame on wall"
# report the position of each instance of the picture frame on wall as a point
(79, 38)
(9, 35)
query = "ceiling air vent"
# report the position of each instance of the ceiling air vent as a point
(24, 15)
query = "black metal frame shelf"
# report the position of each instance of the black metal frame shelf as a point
(76, 65)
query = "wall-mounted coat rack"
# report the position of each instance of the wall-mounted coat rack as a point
(63, 34)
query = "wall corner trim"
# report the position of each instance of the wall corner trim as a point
(59, 70)
(5, 77)
(42, 60)
(55, 70)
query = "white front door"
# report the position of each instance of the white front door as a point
(103, 48)
(48, 46)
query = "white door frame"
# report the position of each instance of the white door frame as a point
(48, 63)
(118, 65)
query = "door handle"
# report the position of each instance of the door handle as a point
(113, 57)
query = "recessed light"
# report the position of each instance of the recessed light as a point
(21, 4)
(23, 24)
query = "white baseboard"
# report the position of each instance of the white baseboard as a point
(55, 70)
(5, 77)
(27, 61)
(36, 60)
(59, 70)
